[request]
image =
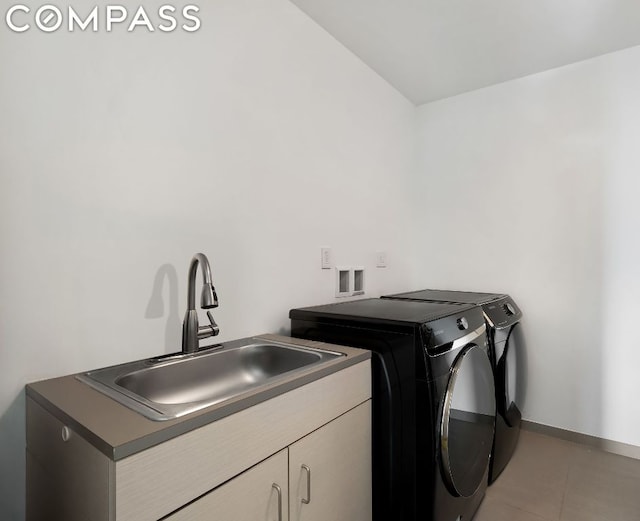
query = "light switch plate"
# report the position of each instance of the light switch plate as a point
(326, 258)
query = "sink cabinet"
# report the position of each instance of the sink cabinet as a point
(329, 472)
(227, 467)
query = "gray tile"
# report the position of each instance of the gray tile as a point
(549, 479)
(598, 461)
(495, 510)
(602, 486)
(536, 477)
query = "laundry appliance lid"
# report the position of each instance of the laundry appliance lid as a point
(439, 295)
(400, 312)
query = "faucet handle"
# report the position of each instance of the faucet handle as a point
(214, 327)
(207, 331)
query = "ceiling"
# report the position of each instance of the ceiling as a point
(433, 49)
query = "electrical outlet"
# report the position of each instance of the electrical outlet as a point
(381, 259)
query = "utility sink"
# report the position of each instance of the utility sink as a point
(171, 386)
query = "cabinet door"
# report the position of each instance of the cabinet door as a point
(258, 494)
(330, 470)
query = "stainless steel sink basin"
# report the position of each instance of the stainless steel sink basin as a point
(169, 387)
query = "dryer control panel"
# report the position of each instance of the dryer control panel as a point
(502, 313)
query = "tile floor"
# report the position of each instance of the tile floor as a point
(549, 479)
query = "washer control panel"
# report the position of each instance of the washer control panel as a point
(444, 334)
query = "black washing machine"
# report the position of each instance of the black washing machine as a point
(433, 401)
(507, 351)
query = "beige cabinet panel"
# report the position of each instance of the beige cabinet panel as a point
(331, 468)
(258, 494)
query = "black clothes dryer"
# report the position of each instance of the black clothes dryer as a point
(507, 351)
(433, 401)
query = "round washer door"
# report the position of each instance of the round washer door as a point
(468, 421)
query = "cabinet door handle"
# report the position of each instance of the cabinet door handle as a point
(279, 491)
(308, 471)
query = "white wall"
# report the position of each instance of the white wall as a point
(256, 140)
(260, 139)
(544, 172)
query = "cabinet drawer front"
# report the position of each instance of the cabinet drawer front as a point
(155, 482)
(251, 496)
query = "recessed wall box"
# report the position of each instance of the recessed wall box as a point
(358, 281)
(343, 282)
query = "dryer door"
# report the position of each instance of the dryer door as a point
(510, 377)
(468, 421)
